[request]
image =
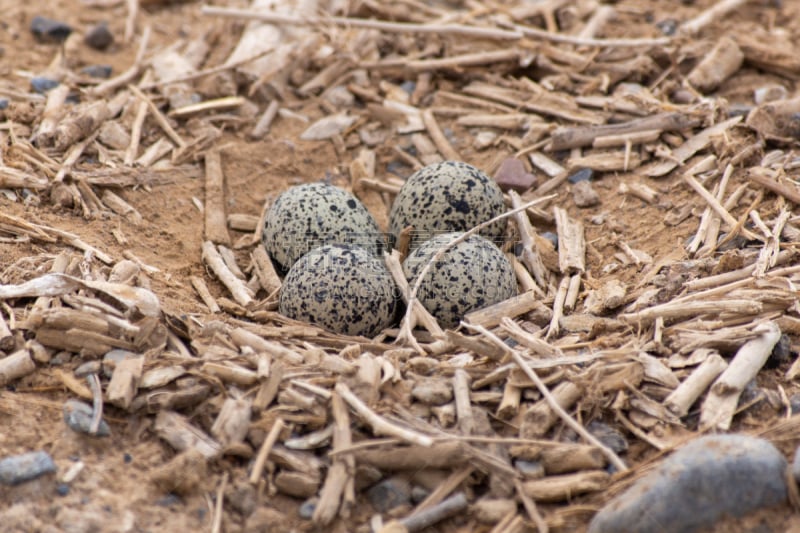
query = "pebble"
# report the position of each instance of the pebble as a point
(584, 174)
(609, 436)
(99, 36)
(512, 175)
(3, 103)
(418, 494)
(98, 71)
(781, 352)
(530, 469)
(307, 508)
(389, 493)
(78, 416)
(794, 403)
(552, 237)
(709, 478)
(49, 30)
(41, 85)
(432, 392)
(584, 194)
(20, 468)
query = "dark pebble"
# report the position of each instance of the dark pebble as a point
(128, 458)
(408, 86)
(62, 489)
(49, 30)
(667, 26)
(42, 85)
(20, 468)
(794, 403)
(584, 174)
(307, 508)
(78, 416)
(609, 436)
(389, 493)
(3, 103)
(98, 71)
(169, 500)
(781, 352)
(99, 36)
(709, 478)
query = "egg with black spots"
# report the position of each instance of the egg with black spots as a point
(471, 275)
(342, 288)
(444, 197)
(311, 215)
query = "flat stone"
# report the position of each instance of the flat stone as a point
(584, 194)
(41, 84)
(98, 71)
(512, 175)
(21, 468)
(583, 174)
(704, 481)
(389, 493)
(49, 30)
(99, 36)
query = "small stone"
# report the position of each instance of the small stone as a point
(484, 139)
(41, 85)
(609, 436)
(266, 520)
(389, 493)
(584, 194)
(62, 489)
(3, 103)
(307, 508)
(491, 511)
(709, 478)
(242, 497)
(794, 403)
(512, 175)
(781, 352)
(530, 469)
(418, 493)
(98, 71)
(432, 392)
(21, 468)
(667, 26)
(99, 36)
(49, 30)
(584, 174)
(552, 237)
(78, 416)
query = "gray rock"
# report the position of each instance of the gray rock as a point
(584, 174)
(78, 416)
(709, 478)
(49, 30)
(584, 194)
(307, 508)
(389, 493)
(609, 436)
(796, 465)
(99, 36)
(20, 468)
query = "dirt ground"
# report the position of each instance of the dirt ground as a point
(113, 491)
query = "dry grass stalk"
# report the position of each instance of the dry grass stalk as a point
(683, 397)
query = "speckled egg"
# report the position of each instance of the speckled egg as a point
(342, 288)
(307, 216)
(447, 196)
(471, 275)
